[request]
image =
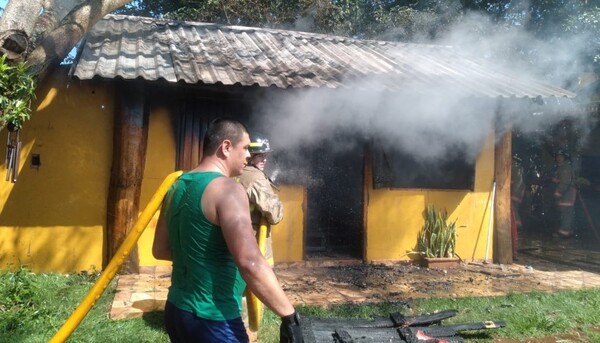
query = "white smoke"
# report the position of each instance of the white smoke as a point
(428, 123)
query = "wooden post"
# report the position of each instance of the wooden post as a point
(502, 171)
(129, 156)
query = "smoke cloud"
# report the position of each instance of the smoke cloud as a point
(428, 123)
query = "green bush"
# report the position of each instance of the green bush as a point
(18, 299)
(17, 89)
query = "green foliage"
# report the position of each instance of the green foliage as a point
(33, 306)
(17, 296)
(587, 23)
(17, 89)
(437, 238)
(529, 315)
(357, 18)
(262, 13)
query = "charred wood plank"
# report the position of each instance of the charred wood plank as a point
(395, 320)
(342, 336)
(425, 319)
(363, 331)
(418, 336)
(314, 332)
(365, 335)
(450, 330)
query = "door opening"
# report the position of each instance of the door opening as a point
(334, 218)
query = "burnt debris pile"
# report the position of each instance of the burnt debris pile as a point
(426, 328)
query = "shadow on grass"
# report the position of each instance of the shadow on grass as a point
(155, 320)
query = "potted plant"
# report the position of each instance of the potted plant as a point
(436, 241)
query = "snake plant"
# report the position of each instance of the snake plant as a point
(437, 238)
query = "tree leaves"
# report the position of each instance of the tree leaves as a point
(17, 89)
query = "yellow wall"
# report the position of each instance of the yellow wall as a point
(53, 218)
(395, 216)
(288, 236)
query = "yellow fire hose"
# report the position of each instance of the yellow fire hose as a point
(115, 263)
(255, 311)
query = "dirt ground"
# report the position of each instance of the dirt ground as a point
(377, 282)
(547, 266)
(346, 282)
(542, 264)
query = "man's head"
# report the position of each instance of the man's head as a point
(218, 131)
(227, 139)
(259, 147)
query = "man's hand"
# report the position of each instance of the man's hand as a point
(290, 330)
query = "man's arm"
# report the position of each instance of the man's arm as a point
(233, 216)
(161, 248)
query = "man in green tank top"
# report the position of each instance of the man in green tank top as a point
(204, 227)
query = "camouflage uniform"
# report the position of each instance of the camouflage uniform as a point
(263, 202)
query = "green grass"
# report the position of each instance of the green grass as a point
(34, 306)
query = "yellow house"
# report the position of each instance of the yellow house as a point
(133, 108)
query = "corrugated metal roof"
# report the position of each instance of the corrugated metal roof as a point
(152, 49)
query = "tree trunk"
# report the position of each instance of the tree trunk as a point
(129, 156)
(502, 174)
(20, 15)
(16, 28)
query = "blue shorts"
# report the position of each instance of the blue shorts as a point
(185, 327)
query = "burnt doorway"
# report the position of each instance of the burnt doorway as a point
(334, 211)
(534, 153)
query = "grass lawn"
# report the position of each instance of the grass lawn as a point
(34, 306)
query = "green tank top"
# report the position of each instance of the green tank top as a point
(205, 279)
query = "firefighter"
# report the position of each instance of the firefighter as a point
(517, 190)
(565, 193)
(264, 202)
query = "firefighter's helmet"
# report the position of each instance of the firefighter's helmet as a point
(565, 153)
(259, 145)
(517, 159)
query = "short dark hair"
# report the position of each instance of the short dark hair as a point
(219, 130)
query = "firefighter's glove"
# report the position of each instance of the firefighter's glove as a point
(290, 330)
